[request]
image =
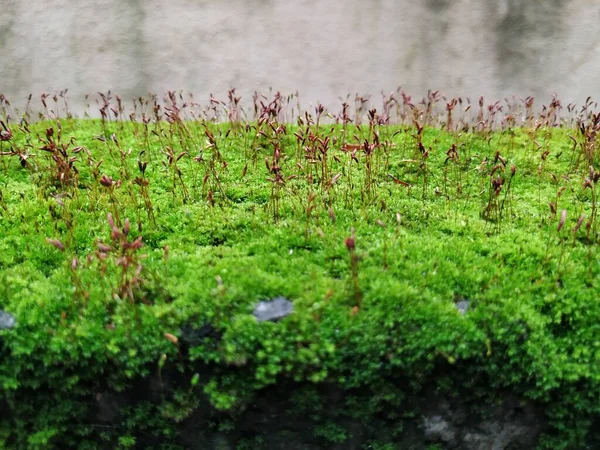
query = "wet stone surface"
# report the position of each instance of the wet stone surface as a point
(7, 321)
(462, 306)
(274, 309)
(194, 335)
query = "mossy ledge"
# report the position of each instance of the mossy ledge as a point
(444, 284)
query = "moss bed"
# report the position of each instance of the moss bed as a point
(135, 251)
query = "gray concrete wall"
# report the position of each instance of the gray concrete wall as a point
(322, 48)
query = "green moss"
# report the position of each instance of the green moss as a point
(235, 238)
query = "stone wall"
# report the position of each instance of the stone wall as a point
(424, 420)
(323, 49)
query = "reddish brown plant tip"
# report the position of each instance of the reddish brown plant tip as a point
(578, 224)
(350, 242)
(142, 166)
(56, 243)
(587, 184)
(135, 245)
(116, 234)
(106, 181)
(103, 248)
(5, 135)
(172, 338)
(331, 214)
(563, 218)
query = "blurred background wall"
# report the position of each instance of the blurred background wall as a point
(325, 49)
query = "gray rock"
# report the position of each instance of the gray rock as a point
(462, 306)
(222, 442)
(507, 424)
(192, 335)
(437, 429)
(7, 321)
(274, 309)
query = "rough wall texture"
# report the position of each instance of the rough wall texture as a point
(323, 49)
(274, 419)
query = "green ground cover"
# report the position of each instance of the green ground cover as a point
(117, 235)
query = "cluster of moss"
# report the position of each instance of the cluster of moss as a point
(374, 232)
